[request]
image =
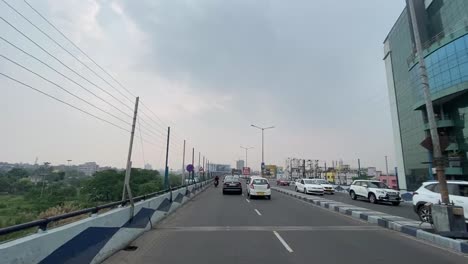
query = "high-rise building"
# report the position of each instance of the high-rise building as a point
(443, 27)
(239, 164)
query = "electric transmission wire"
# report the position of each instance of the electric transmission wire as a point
(63, 64)
(62, 101)
(63, 89)
(89, 57)
(78, 48)
(58, 44)
(64, 76)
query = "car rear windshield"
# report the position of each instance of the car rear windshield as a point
(322, 182)
(309, 181)
(260, 181)
(379, 185)
(228, 178)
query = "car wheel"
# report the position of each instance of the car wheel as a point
(396, 203)
(297, 190)
(321, 194)
(424, 213)
(372, 198)
(305, 191)
(224, 192)
(353, 195)
(269, 197)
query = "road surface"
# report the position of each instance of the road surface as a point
(216, 228)
(405, 209)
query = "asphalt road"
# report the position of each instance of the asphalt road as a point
(216, 228)
(405, 209)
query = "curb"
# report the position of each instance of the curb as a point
(396, 223)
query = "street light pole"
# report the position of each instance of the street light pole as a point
(246, 149)
(263, 151)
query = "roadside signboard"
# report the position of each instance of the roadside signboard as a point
(246, 171)
(189, 168)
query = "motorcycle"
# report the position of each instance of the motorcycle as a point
(216, 183)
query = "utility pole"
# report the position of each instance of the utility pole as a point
(263, 150)
(166, 172)
(438, 159)
(246, 149)
(203, 168)
(386, 166)
(183, 165)
(199, 154)
(303, 168)
(193, 162)
(126, 187)
(290, 168)
(359, 168)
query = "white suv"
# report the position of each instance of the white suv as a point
(375, 191)
(429, 193)
(309, 186)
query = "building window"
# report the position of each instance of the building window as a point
(446, 67)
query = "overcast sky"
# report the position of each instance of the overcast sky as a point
(207, 68)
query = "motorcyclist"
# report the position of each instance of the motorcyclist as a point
(216, 180)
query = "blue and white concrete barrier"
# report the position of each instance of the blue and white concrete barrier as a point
(400, 224)
(95, 238)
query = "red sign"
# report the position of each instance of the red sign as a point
(245, 171)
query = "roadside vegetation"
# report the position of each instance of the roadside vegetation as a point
(27, 195)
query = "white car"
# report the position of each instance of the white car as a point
(327, 187)
(309, 186)
(374, 191)
(429, 193)
(258, 187)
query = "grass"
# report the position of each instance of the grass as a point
(14, 209)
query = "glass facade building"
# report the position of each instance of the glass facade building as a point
(443, 26)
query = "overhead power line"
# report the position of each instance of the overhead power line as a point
(63, 64)
(85, 54)
(63, 89)
(64, 49)
(175, 134)
(64, 76)
(63, 102)
(78, 48)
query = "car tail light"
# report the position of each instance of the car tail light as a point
(238, 183)
(268, 186)
(252, 186)
(415, 193)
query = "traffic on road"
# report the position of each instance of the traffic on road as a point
(238, 229)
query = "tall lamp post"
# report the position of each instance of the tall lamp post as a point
(246, 149)
(263, 141)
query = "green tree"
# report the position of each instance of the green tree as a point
(17, 173)
(5, 185)
(104, 186)
(21, 186)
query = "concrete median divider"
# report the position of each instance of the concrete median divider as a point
(422, 231)
(95, 238)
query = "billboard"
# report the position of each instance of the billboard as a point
(245, 171)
